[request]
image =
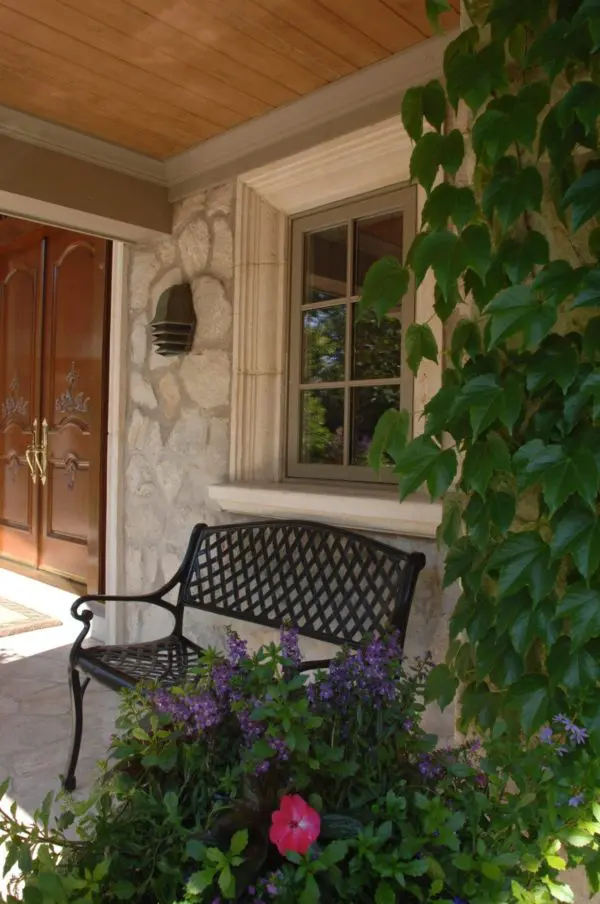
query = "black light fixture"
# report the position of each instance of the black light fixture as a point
(174, 322)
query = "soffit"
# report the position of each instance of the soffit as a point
(159, 77)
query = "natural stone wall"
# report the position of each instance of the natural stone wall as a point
(177, 440)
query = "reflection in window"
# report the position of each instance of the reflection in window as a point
(375, 237)
(326, 256)
(376, 347)
(324, 341)
(322, 438)
(368, 404)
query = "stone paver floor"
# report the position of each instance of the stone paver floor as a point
(35, 710)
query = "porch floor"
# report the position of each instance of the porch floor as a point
(35, 714)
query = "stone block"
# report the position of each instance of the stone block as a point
(220, 199)
(221, 262)
(169, 396)
(194, 246)
(214, 313)
(206, 379)
(189, 436)
(144, 267)
(141, 392)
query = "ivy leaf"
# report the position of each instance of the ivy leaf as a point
(449, 202)
(577, 531)
(502, 508)
(412, 112)
(589, 296)
(477, 243)
(482, 397)
(450, 527)
(444, 253)
(530, 696)
(516, 310)
(390, 436)
(434, 9)
(415, 463)
(385, 285)
(591, 339)
(519, 259)
(558, 281)
(420, 343)
(482, 460)
(465, 338)
(523, 560)
(441, 686)
(512, 191)
(580, 606)
(425, 159)
(583, 197)
(587, 475)
(434, 104)
(452, 152)
(572, 669)
(442, 473)
(556, 361)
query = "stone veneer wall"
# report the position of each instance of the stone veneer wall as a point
(177, 439)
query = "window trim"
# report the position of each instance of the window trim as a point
(397, 197)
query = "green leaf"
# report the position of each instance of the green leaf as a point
(449, 202)
(385, 285)
(450, 527)
(390, 436)
(516, 310)
(434, 104)
(385, 894)
(523, 560)
(434, 9)
(556, 361)
(420, 343)
(465, 338)
(452, 152)
(441, 686)
(530, 696)
(490, 870)
(442, 473)
(571, 668)
(425, 159)
(227, 882)
(123, 889)
(477, 242)
(459, 561)
(412, 112)
(577, 532)
(580, 605)
(502, 508)
(310, 892)
(591, 339)
(512, 191)
(415, 463)
(560, 891)
(239, 842)
(583, 197)
(589, 296)
(334, 852)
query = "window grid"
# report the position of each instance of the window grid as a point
(399, 200)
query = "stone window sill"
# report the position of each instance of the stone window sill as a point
(377, 511)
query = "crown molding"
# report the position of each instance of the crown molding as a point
(54, 137)
(356, 101)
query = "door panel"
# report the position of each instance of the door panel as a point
(20, 314)
(72, 404)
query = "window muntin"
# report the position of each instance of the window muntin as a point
(344, 371)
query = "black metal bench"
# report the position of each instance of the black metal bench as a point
(333, 585)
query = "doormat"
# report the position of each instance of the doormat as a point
(16, 619)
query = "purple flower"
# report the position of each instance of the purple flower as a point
(576, 800)
(237, 649)
(546, 734)
(262, 767)
(576, 735)
(280, 748)
(408, 725)
(457, 900)
(289, 645)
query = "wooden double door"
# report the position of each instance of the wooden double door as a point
(53, 357)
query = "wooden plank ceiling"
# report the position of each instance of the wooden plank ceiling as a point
(160, 76)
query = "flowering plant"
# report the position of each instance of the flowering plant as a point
(257, 783)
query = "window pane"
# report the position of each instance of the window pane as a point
(368, 404)
(322, 437)
(326, 255)
(324, 341)
(374, 238)
(376, 347)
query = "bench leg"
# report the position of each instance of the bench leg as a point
(77, 691)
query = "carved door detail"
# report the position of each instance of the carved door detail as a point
(53, 311)
(20, 334)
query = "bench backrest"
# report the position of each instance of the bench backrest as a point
(333, 585)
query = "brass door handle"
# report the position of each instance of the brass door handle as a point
(31, 453)
(41, 453)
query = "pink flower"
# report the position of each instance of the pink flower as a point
(295, 825)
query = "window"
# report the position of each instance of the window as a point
(344, 371)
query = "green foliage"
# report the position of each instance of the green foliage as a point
(515, 255)
(183, 810)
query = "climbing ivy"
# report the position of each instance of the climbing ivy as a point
(511, 442)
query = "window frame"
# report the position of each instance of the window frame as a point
(402, 198)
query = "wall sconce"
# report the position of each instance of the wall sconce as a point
(174, 322)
